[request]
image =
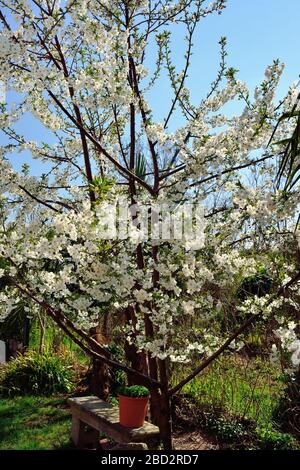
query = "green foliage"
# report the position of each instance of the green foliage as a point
(134, 391)
(113, 400)
(13, 326)
(55, 340)
(37, 374)
(237, 400)
(287, 412)
(271, 439)
(231, 431)
(289, 167)
(101, 187)
(227, 430)
(246, 388)
(231, 73)
(140, 166)
(260, 284)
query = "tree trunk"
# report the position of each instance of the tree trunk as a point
(99, 377)
(165, 421)
(106, 331)
(165, 416)
(99, 382)
(137, 360)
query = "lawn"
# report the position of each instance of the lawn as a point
(34, 423)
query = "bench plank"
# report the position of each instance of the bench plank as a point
(104, 417)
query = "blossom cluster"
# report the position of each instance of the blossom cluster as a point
(82, 69)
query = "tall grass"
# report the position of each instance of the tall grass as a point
(55, 340)
(247, 388)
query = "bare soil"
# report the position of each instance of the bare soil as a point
(194, 440)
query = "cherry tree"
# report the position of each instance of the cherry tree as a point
(87, 70)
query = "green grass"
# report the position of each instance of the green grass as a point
(245, 388)
(236, 400)
(34, 423)
(231, 386)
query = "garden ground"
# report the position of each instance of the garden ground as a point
(34, 423)
(39, 423)
(227, 407)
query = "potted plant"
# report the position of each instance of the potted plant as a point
(133, 405)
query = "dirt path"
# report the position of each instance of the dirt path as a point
(194, 440)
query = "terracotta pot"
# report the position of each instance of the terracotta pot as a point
(132, 411)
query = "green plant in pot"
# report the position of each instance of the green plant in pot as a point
(133, 405)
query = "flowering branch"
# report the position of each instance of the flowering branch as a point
(241, 329)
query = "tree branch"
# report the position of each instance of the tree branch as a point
(225, 345)
(44, 203)
(65, 324)
(123, 170)
(229, 170)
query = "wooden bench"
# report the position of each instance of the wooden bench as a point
(103, 418)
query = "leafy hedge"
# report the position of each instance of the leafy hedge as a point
(35, 374)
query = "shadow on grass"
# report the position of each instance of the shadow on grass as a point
(34, 423)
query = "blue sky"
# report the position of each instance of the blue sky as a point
(257, 31)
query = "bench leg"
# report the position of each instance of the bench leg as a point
(77, 431)
(82, 438)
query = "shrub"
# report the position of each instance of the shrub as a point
(135, 391)
(228, 430)
(271, 439)
(287, 413)
(37, 374)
